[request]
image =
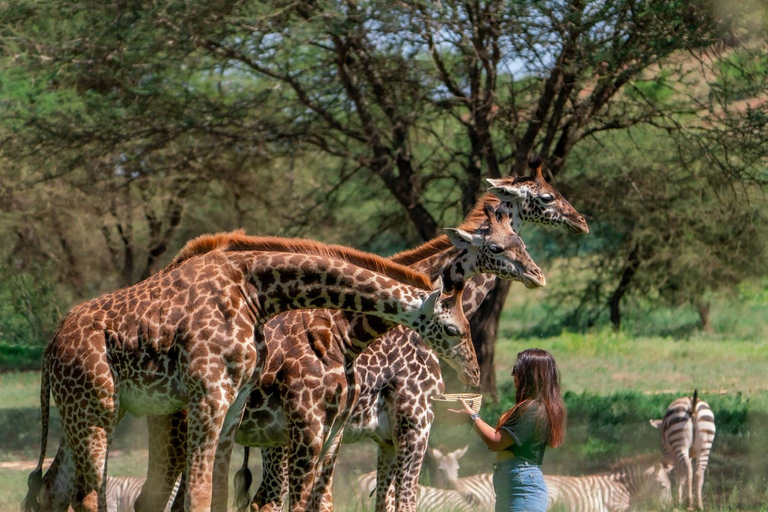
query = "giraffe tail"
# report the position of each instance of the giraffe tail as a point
(35, 480)
(243, 480)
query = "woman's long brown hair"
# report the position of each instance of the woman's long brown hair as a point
(539, 381)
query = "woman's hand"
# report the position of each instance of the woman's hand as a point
(466, 410)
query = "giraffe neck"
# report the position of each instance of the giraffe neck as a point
(282, 282)
(458, 273)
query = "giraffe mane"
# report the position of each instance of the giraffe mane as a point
(239, 241)
(471, 223)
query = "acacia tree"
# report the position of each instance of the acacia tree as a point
(422, 94)
(426, 97)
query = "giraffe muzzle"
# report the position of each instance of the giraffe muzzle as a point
(534, 279)
(578, 225)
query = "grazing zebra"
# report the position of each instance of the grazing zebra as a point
(428, 499)
(628, 483)
(122, 492)
(687, 432)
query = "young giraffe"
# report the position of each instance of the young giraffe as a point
(390, 409)
(284, 414)
(191, 336)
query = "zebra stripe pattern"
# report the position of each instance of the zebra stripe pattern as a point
(687, 434)
(627, 484)
(428, 499)
(122, 492)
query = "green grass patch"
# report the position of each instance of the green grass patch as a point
(20, 357)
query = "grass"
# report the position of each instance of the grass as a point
(614, 382)
(603, 362)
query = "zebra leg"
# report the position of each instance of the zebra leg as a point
(701, 467)
(685, 477)
(273, 490)
(167, 460)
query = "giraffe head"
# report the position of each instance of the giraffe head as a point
(496, 249)
(445, 329)
(537, 201)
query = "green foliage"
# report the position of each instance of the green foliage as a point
(29, 311)
(20, 357)
(741, 75)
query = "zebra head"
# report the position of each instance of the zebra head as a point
(445, 467)
(656, 486)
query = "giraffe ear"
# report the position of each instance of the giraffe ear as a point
(430, 303)
(656, 423)
(506, 193)
(462, 239)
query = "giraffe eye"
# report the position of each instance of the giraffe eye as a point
(451, 330)
(547, 198)
(495, 249)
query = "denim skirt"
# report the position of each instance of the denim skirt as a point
(519, 487)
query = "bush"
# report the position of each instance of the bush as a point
(20, 357)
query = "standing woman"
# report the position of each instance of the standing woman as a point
(536, 421)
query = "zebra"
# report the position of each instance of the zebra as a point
(687, 432)
(122, 492)
(428, 499)
(628, 483)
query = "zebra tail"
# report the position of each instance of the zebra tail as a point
(694, 401)
(243, 480)
(35, 480)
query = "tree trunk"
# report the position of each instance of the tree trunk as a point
(630, 269)
(485, 327)
(704, 309)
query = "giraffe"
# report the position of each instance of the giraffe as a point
(389, 409)
(530, 199)
(191, 337)
(284, 414)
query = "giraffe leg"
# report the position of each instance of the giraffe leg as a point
(273, 490)
(58, 482)
(321, 499)
(385, 479)
(411, 445)
(223, 451)
(90, 445)
(223, 459)
(89, 406)
(205, 420)
(305, 445)
(167, 452)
